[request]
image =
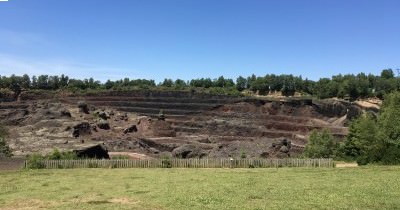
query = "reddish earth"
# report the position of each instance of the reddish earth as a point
(195, 125)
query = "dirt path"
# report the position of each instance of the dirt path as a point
(346, 165)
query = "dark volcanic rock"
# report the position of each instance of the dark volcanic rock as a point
(353, 112)
(331, 108)
(97, 151)
(65, 113)
(83, 107)
(81, 129)
(103, 115)
(103, 125)
(131, 129)
(188, 151)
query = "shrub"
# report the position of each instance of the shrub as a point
(321, 145)
(243, 154)
(65, 155)
(35, 161)
(166, 162)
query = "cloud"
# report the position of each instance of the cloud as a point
(17, 65)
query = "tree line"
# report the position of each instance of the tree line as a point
(342, 86)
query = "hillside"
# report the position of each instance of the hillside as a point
(195, 125)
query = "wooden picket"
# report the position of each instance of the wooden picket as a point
(185, 163)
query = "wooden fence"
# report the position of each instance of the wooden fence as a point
(182, 163)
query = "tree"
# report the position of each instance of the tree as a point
(220, 82)
(42, 82)
(387, 74)
(26, 81)
(241, 83)
(179, 84)
(289, 85)
(167, 83)
(389, 128)
(361, 144)
(259, 84)
(371, 140)
(320, 145)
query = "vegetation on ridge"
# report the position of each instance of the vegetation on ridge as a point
(342, 86)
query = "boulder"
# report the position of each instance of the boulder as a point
(65, 113)
(83, 107)
(96, 151)
(103, 115)
(103, 125)
(81, 129)
(131, 129)
(188, 151)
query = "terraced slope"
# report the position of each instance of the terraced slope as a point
(195, 125)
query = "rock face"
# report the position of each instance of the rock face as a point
(280, 149)
(193, 125)
(188, 151)
(97, 152)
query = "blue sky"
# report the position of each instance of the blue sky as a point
(186, 39)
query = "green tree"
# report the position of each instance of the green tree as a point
(389, 128)
(241, 83)
(361, 144)
(167, 83)
(387, 74)
(320, 145)
(260, 84)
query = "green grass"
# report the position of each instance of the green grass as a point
(369, 187)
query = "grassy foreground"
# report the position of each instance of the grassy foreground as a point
(283, 188)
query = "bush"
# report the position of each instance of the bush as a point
(166, 162)
(321, 145)
(65, 155)
(35, 161)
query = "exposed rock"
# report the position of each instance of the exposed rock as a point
(103, 115)
(103, 125)
(131, 129)
(353, 112)
(83, 107)
(331, 108)
(284, 149)
(97, 151)
(65, 113)
(81, 129)
(188, 151)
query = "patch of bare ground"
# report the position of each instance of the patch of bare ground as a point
(346, 165)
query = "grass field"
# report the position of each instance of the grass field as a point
(370, 187)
